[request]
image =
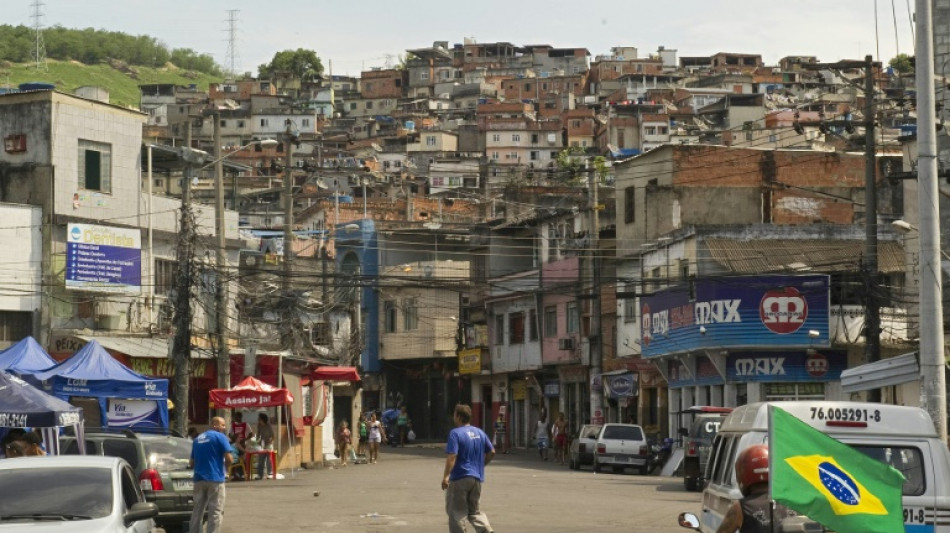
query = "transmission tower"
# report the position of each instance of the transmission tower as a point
(231, 56)
(39, 53)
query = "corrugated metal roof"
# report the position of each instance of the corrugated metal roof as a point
(818, 255)
(147, 347)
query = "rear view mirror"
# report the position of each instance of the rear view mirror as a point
(689, 521)
(140, 511)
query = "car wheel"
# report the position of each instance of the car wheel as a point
(644, 470)
(573, 463)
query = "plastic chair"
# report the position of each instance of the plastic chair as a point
(237, 465)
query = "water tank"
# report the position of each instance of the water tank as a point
(36, 86)
(410, 125)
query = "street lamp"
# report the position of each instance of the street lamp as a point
(906, 227)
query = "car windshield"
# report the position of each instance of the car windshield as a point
(623, 433)
(68, 492)
(168, 454)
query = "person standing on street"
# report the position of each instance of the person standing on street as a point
(265, 432)
(377, 434)
(468, 451)
(541, 434)
(210, 458)
(402, 426)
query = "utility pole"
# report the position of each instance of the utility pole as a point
(872, 320)
(869, 265)
(222, 351)
(594, 337)
(933, 383)
(289, 139)
(181, 343)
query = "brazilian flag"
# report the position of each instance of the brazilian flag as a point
(830, 482)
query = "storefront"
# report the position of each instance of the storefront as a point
(735, 340)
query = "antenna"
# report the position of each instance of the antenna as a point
(39, 54)
(231, 55)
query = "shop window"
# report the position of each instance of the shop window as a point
(573, 318)
(95, 166)
(410, 317)
(794, 391)
(516, 328)
(550, 321)
(164, 276)
(533, 324)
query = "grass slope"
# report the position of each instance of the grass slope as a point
(122, 86)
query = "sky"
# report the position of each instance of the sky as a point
(373, 33)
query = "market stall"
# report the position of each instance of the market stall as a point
(23, 405)
(253, 393)
(25, 357)
(125, 398)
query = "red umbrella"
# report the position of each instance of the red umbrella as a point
(251, 392)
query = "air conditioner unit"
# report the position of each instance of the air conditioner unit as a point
(251, 259)
(111, 322)
(565, 344)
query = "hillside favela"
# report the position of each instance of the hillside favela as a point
(474, 286)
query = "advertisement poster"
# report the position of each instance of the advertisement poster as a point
(740, 311)
(133, 413)
(103, 259)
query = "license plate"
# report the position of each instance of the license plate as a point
(185, 484)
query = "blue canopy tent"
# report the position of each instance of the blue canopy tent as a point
(25, 357)
(23, 405)
(126, 398)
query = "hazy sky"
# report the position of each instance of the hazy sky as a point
(358, 35)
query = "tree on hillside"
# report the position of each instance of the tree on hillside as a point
(289, 64)
(902, 64)
(92, 46)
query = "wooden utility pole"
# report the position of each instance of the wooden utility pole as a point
(222, 351)
(181, 343)
(594, 337)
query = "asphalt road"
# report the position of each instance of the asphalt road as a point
(402, 492)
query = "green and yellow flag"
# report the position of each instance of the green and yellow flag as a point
(829, 481)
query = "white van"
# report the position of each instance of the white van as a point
(903, 437)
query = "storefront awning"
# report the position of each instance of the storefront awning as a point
(145, 347)
(784, 255)
(884, 373)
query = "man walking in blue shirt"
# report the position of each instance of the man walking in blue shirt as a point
(468, 451)
(210, 457)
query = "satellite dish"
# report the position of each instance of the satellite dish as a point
(320, 184)
(377, 147)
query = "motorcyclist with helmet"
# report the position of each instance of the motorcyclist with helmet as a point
(754, 513)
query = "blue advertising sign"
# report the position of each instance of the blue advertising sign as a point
(742, 311)
(103, 259)
(815, 365)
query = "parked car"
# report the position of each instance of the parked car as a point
(160, 463)
(621, 446)
(582, 446)
(70, 493)
(698, 445)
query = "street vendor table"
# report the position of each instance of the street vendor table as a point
(271, 456)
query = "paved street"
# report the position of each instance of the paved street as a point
(402, 492)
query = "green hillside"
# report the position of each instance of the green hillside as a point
(121, 81)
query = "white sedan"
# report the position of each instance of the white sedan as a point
(72, 493)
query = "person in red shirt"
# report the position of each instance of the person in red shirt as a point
(239, 428)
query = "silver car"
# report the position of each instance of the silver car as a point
(66, 494)
(582, 446)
